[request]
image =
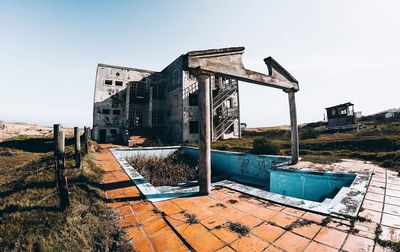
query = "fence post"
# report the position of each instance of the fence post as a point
(86, 139)
(77, 147)
(61, 180)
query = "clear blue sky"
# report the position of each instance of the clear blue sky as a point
(338, 50)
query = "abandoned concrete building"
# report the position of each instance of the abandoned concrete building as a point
(162, 105)
(341, 116)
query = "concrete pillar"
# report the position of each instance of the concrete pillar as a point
(205, 135)
(150, 114)
(294, 134)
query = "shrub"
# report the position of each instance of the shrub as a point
(264, 146)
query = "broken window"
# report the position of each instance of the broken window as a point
(158, 91)
(106, 111)
(119, 83)
(343, 111)
(135, 118)
(113, 131)
(108, 82)
(193, 127)
(138, 90)
(117, 74)
(193, 100)
(157, 118)
(116, 112)
(333, 112)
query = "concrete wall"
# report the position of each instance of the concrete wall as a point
(112, 97)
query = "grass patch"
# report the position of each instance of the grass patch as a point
(30, 219)
(173, 169)
(238, 228)
(299, 223)
(191, 218)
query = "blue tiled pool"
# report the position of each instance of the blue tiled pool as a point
(263, 176)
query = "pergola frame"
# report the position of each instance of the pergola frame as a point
(227, 62)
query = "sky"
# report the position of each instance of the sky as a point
(339, 51)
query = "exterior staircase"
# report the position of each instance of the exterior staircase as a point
(228, 118)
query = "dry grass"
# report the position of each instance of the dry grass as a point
(29, 215)
(171, 170)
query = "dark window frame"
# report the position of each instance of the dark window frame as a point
(106, 111)
(193, 99)
(193, 127)
(108, 82)
(119, 83)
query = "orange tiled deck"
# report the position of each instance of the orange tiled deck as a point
(164, 226)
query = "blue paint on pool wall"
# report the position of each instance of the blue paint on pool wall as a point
(246, 168)
(263, 176)
(308, 185)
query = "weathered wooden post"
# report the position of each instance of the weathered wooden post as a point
(205, 135)
(86, 139)
(294, 134)
(61, 180)
(77, 147)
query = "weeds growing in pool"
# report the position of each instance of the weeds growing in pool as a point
(170, 170)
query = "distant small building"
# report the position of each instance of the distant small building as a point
(243, 125)
(341, 115)
(389, 115)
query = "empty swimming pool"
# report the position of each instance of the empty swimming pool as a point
(263, 176)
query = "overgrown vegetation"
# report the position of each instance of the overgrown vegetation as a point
(262, 145)
(377, 141)
(30, 219)
(393, 245)
(299, 223)
(238, 228)
(170, 170)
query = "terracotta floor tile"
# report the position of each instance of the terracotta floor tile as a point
(291, 242)
(293, 211)
(268, 232)
(391, 220)
(356, 243)
(390, 233)
(377, 184)
(200, 212)
(231, 214)
(331, 237)
(206, 242)
(141, 206)
(184, 203)
(154, 227)
(225, 234)
(391, 209)
(264, 213)
(283, 220)
(374, 196)
(372, 215)
(177, 219)
(125, 210)
(204, 200)
(225, 249)
(168, 207)
(392, 200)
(393, 193)
(189, 231)
(166, 241)
(275, 207)
(246, 206)
(212, 221)
(313, 217)
(250, 221)
(148, 215)
(308, 231)
(376, 190)
(132, 192)
(249, 243)
(318, 247)
(180, 249)
(128, 221)
(135, 233)
(142, 245)
(272, 248)
(372, 205)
